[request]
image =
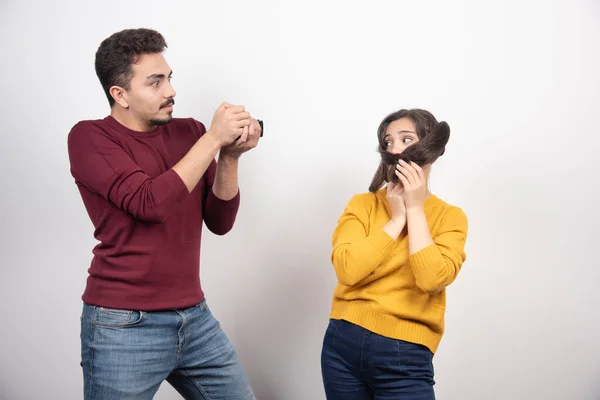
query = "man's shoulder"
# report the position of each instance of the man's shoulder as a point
(107, 126)
(189, 123)
(89, 124)
(86, 130)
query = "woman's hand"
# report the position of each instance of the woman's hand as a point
(395, 198)
(414, 182)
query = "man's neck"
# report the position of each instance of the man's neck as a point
(129, 121)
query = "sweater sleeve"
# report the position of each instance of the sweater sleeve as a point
(437, 265)
(355, 253)
(101, 164)
(218, 214)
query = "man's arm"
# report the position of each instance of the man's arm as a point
(226, 185)
(228, 120)
(226, 180)
(218, 213)
(195, 163)
(222, 200)
(102, 165)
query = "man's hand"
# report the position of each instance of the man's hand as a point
(229, 122)
(247, 141)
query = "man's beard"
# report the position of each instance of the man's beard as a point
(159, 122)
(164, 121)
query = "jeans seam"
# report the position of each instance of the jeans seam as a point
(186, 335)
(335, 326)
(91, 357)
(185, 330)
(363, 361)
(399, 354)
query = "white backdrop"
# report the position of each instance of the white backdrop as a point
(517, 81)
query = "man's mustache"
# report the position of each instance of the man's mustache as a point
(168, 103)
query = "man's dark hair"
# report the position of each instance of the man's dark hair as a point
(119, 51)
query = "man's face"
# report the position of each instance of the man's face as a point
(151, 96)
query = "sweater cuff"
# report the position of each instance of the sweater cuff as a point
(382, 242)
(228, 205)
(425, 257)
(178, 188)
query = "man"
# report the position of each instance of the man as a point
(149, 181)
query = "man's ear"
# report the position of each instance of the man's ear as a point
(120, 96)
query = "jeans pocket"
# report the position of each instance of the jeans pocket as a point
(115, 318)
(415, 359)
(330, 334)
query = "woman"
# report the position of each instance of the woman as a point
(395, 249)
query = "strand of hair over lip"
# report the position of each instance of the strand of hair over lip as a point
(424, 152)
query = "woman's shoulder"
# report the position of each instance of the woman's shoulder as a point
(363, 204)
(445, 209)
(367, 198)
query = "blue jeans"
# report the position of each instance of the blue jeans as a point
(127, 354)
(357, 364)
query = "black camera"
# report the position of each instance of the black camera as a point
(262, 129)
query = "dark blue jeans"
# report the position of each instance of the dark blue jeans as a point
(127, 354)
(358, 365)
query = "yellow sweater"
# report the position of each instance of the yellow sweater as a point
(383, 288)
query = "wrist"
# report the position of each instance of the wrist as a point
(208, 144)
(213, 137)
(398, 220)
(415, 209)
(226, 157)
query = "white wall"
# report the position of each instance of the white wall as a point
(518, 83)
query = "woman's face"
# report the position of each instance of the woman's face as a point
(399, 135)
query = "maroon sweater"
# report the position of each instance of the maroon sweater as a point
(149, 226)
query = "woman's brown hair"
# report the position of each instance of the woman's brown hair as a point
(433, 137)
